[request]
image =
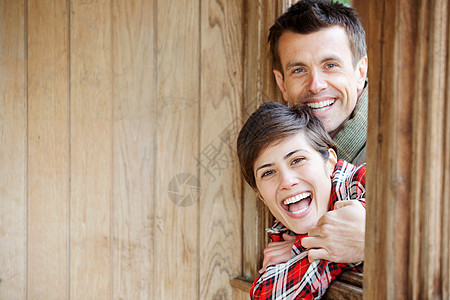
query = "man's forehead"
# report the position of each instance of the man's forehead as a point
(297, 49)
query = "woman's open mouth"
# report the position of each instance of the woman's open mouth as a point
(298, 205)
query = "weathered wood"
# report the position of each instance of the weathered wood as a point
(48, 149)
(13, 150)
(259, 87)
(408, 58)
(91, 155)
(220, 98)
(177, 145)
(352, 277)
(362, 8)
(343, 291)
(132, 244)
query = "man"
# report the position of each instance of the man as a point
(319, 54)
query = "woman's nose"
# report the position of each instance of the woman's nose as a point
(287, 179)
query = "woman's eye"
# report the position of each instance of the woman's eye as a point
(267, 173)
(297, 160)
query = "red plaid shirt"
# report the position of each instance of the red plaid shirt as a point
(297, 278)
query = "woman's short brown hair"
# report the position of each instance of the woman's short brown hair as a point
(272, 122)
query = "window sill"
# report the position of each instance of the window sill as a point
(347, 286)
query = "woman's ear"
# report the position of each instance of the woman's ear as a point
(331, 162)
(259, 195)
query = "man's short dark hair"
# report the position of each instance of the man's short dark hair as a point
(308, 16)
(272, 122)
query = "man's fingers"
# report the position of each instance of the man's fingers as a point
(315, 254)
(311, 242)
(343, 203)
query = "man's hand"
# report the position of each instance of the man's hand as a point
(339, 235)
(278, 252)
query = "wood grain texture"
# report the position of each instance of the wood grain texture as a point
(133, 197)
(220, 204)
(259, 87)
(176, 246)
(446, 195)
(406, 151)
(429, 159)
(13, 150)
(389, 139)
(91, 149)
(48, 144)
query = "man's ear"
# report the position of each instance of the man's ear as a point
(332, 161)
(361, 70)
(280, 82)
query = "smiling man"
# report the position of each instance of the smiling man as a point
(319, 55)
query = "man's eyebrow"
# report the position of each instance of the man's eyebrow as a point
(294, 64)
(332, 58)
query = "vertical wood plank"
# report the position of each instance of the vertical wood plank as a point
(446, 193)
(177, 187)
(48, 149)
(432, 130)
(222, 27)
(91, 149)
(407, 234)
(259, 87)
(133, 198)
(389, 140)
(362, 8)
(13, 150)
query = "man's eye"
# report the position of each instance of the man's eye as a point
(330, 66)
(267, 173)
(299, 70)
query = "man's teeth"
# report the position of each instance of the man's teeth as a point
(296, 198)
(319, 105)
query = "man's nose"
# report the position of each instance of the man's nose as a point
(317, 82)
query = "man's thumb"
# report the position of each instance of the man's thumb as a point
(342, 203)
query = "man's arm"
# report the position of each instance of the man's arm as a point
(339, 235)
(296, 278)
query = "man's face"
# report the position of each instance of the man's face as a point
(294, 181)
(319, 72)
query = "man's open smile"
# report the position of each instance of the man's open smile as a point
(320, 105)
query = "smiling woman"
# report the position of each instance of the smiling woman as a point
(289, 159)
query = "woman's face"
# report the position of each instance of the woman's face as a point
(294, 181)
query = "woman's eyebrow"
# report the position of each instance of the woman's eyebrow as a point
(263, 166)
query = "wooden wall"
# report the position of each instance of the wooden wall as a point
(408, 166)
(117, 119)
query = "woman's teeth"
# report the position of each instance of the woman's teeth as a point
(299, 211)
(296, 198)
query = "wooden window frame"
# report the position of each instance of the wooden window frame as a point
(408, 156)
